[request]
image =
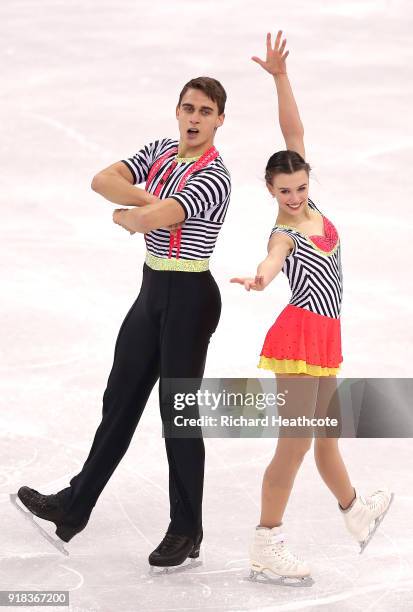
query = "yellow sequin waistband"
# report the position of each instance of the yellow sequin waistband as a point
(176, 265)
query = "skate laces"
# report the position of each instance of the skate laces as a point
(44, 502)
(275, 546)
(376, 500)
(168, 542)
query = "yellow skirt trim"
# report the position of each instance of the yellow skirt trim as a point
(176, 265)
(295, 366)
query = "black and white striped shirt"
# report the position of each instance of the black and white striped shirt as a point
(314, 274)
(204, 198)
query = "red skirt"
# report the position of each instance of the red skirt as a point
(302, 342)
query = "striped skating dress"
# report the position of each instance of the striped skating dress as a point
(306, 336)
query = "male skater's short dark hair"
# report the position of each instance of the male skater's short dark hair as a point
(211, 88)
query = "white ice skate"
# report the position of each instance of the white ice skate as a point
(272, 561)
(364, 515)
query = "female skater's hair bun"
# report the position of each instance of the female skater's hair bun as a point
(285, 162)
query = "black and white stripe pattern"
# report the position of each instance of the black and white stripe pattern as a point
(204, 198)
(315, 277)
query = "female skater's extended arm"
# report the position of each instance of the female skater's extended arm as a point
(289, 117)
(279, 247)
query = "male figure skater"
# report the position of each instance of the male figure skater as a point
(167, 330)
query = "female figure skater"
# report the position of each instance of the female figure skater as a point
(303, 347)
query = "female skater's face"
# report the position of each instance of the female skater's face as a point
(198, 119)
(291, 191)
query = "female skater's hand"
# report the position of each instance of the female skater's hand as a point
(275, 60)
(256, 283)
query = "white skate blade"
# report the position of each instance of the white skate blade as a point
(56, 542)
(269, 577)
(378, 520)
(188, 564)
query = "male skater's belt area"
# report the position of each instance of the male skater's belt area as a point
(176, 265)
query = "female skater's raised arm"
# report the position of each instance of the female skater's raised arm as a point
(289, 117)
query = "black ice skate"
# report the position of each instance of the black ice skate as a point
(173, 551)
(29, 516)
(49, 508)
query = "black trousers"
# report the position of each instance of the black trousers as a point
(164, 335)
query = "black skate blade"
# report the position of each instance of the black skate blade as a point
(57, 543)
(268, 578)
(188, 564)
(379, 520)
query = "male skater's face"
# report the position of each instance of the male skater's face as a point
(198, 119)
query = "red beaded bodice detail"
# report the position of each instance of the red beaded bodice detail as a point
(328, 242)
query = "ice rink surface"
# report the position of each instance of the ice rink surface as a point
(87, 83)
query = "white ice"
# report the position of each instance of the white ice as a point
(84, 84)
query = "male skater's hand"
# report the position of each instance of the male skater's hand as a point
(256, 283)
(275, 60)
(174, 228)
(121, 219)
